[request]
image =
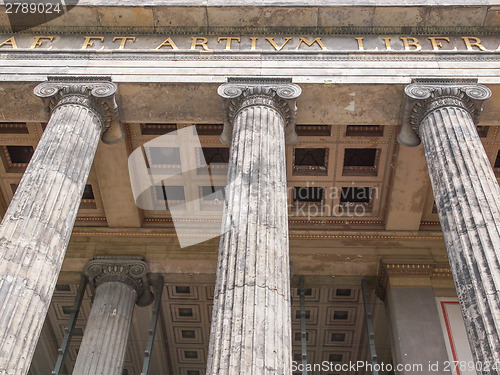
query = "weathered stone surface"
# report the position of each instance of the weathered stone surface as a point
(251, 324)
(468, 201)
(120, 282)
(37, 226)
(415, 328)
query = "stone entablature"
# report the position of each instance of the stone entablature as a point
(93, 14)
(252, 42)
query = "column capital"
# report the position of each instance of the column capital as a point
(426, 95)
(95, 93)
(276, 93)
(130, 270)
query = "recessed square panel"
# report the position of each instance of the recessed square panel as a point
(482, 131)
(310, 161)
(20, 154)
(182, 292)
(307, 314)
(311, 294)
(343, 293)
(88, 198)
(353, 197)
(213, 160)
(185, 313)
(297, 355)
(188, 335)
(311, 315)
(335, 357)
(310, 337)
(67, 309)
(215, 154)
(16, 158)
(355, 194)
(190, 355)
(361, 161)
(212, 193)
(308, 194)
(341, 315)
(164, 156)
(172, 193)
(338, 337)
(63, 288)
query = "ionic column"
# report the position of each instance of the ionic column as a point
(119, 283)
(467, 197)
(251, 325)
(37, 225)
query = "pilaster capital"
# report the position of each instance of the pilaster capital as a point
(130, 270)
(412, 271)
(426, 95)
(277, 93)
(95, 93)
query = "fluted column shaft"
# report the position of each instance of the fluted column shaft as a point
(37, 225)
(119, 283)
(467, 197)
(103, 346)
(251, 324)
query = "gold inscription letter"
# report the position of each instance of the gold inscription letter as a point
(168, 42)
(437, 45)
(387, 42)
(124, 40)
(38, 42)
(276, 47)
(10, 42)
(89, 43)
(254, 42)
(309, 44)
(203, 42)
(475, 43)
(360, 43)
(413, 43)
(228, 40)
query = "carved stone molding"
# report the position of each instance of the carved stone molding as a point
(409, 269)
(426, 95)
(95, 93)
(130, 270)
(279, 94)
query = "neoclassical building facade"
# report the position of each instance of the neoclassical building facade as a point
(236, 188)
